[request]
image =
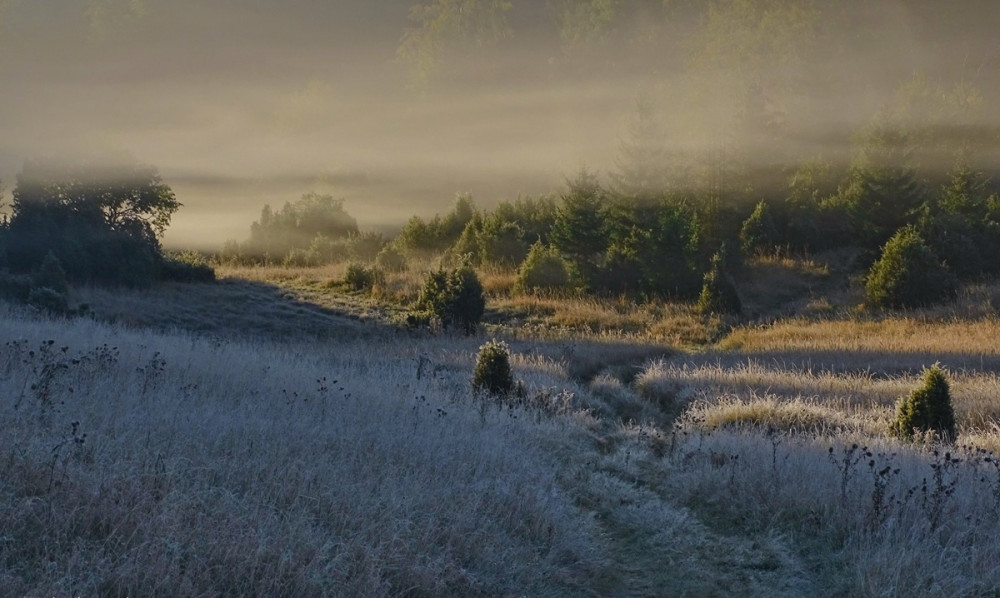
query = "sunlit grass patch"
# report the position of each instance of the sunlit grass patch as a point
(889, 335)
(777, 415)
(658, 321)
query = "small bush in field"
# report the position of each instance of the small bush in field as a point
(359, 278)
(455, 297)
(390, 259)
(544, 268)
(492, 374)
(927, 409)
(908, 274)
(718, 293)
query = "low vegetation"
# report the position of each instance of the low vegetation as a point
(927, 410)
(492, 374)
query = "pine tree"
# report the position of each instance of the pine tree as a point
(927, 409)
(579, 232)
(883, 189)
(908, 274)
(718, 294)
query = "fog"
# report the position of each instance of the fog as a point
(239, 103)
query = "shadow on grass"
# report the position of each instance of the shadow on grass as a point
(227, 308)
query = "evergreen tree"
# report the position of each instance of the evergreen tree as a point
(455, 297)
(928, 408)
(492, 374)
(579, 232)
(759, 234)
(718, 293)
(908, 274)
(544, 268)
(883, 190)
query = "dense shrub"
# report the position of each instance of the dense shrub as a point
(544, 268)
(882, 187)
(908, 274)
(438, 234)
(535, 217)
(953, 240)
(234, 253)
(718, 293)
(492, 374)
(927, 409)
(360, 278)
(622, 270)
(501, 242)
(468, 244)
(455, 297)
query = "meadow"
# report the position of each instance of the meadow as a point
(169, 445)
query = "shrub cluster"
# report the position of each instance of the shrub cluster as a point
(455, 297)
(359, 277)
(424, 237)
(542, 269)
(310, 232)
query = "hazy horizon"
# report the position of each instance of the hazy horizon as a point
(243, 103)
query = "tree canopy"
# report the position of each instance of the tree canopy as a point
(102, 223)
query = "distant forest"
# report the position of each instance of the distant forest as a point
(743, 141)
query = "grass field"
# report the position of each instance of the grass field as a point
(276, 434)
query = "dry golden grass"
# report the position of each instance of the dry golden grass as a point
(655, 321)
(774, 414)
(275, 274)
(889, 335)
(497, 281)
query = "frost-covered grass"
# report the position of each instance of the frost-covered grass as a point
(270, 459)
(141, 463)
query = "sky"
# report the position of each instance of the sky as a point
(239, 103)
